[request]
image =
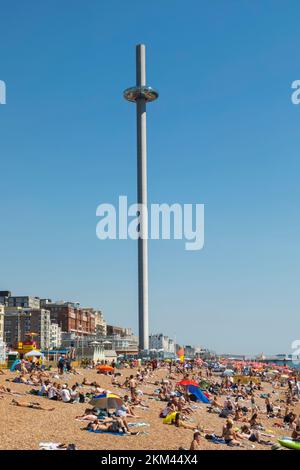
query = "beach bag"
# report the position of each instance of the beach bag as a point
(224, 414)
(81, 398)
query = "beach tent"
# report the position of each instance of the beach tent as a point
(17, 365)
(34, 353)
(198, 393)
(13, 367)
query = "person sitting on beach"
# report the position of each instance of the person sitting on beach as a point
(238, 415)
(138, 400)
(178, 422)
(74, 394)
(65, 394)
(115, 381)
(53, 392)
(170, 408)
(296, 430)
(122, 412)
(129, 409)
(215, 403)
(195, 444)
(269, 406)
(229, 406)
(254, 424)
(44, 388)
(229, 435)
(161, 395)
(125, 384)
(182, 407)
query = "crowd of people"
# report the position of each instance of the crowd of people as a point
(242, 402)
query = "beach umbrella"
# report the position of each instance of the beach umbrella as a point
(34, 353)
(106, 401)
(228, 372)
(187, 383)
(105, 368)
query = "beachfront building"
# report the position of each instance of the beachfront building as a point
(2, 343)
(2, 352)
(71, 317)
(40, 323)
(201, 352)
(19, 322)
(55, 336)
(123, 345)
(14, 325)
(1, 322)
(85, 346)
(71, 339)
(100, 323)
(118, 330)
(171, 346)
(26, 301)
(119, 341)
(4, 295)
(162, 343)
(189, 351)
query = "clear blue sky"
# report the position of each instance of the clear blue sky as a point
(224, 133)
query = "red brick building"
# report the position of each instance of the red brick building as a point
(71, 317)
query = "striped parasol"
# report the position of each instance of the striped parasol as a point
(106, 401)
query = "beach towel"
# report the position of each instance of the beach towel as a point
(215, 439)
(218, 440)
(51, 446)
(99, 431)
(136, 425)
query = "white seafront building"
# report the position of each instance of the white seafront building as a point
(161, 343)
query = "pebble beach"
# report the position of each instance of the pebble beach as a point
(25, 428)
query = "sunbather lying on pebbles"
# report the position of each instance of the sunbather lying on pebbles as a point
(35, 406)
